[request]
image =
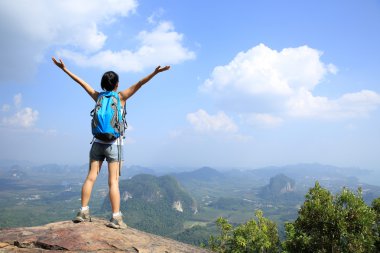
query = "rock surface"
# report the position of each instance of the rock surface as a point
(87, 237)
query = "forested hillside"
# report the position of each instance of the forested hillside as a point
(154, 204)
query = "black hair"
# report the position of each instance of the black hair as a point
(109, 81)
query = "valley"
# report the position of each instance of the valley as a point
(181, 205)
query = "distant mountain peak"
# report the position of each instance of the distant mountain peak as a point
(281, 184)
(206, 169)
(203, 174)
(278, 185)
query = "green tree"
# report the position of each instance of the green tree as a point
(220, 243)
(356, 222)
(256, 235)
(315, 229)
(376, 208)
(327, 223)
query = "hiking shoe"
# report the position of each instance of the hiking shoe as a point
(117, 222)
(82, 216)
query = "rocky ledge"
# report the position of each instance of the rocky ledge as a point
(87, 237)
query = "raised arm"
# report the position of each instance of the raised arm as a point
(127, 93)
(93, 93)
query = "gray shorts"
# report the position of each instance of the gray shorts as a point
(110, 152)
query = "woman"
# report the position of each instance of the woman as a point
(101, 150)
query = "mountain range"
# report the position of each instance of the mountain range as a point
(181, 205)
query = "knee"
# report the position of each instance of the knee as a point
(113, 182)
(91, 179)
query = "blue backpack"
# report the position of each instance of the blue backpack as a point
(108, 121)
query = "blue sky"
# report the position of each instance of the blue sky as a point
(251, 84)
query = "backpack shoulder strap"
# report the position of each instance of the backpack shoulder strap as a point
(101, 94)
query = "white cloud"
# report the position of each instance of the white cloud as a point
(282, 83)
(152, 19)
(162, 45)
(350, 105)
(204, 122)
(28, 30)
(262, 120)
(79, 30)
(262, 70)
(18, 117)
(24, 118)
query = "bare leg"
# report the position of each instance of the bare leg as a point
(113, 183)
(90, 180)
